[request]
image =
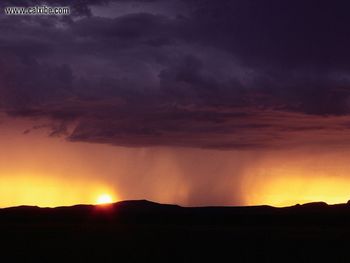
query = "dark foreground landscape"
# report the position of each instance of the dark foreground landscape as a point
(142, 231)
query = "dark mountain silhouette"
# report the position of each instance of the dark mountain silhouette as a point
(144, 231)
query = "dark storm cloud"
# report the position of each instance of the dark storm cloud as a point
(287, 33)
(215, 74)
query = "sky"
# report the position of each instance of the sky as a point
(195, 102)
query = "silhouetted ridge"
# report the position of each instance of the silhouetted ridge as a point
(130, 231)
(141, 204)
(146, 212)
(315, 205)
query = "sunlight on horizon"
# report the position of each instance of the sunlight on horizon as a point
(288, 191)
(104, 199)
(49, 192)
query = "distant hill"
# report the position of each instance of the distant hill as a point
(140, 210)
(144, 231)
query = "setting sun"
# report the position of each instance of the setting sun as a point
(104, 199)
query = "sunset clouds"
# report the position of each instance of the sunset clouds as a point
(190, 102)
(226, 75)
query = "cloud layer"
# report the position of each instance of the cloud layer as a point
(208, 74)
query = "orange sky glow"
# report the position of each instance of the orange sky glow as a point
(38, 170)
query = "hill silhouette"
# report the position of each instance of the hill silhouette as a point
(144, 231)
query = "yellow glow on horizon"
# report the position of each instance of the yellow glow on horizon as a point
(104, 199)
(48, 192)
(287, 191)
